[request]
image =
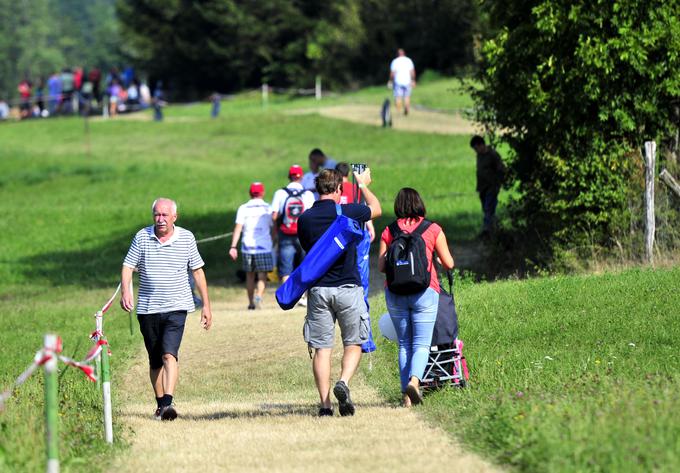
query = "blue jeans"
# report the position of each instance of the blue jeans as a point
(291, 254)
(413, 317)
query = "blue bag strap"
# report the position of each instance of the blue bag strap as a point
(338, 210)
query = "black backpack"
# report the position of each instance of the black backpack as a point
(406, 263)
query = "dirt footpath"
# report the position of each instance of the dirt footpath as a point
(247, 403)
(426, 121)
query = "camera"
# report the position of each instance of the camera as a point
(358, 167)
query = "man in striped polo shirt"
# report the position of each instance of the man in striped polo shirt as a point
(163, 254)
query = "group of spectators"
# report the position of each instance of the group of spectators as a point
(76, 90)
(260, 224)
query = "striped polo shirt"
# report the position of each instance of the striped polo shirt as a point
(164, 270)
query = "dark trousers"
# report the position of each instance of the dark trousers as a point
(489, 200)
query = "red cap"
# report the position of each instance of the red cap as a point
(295, 170)
(257, 189)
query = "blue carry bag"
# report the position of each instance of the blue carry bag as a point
(343, 231)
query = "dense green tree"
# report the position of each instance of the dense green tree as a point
(231, 44)
(38, 37)
(575, 88)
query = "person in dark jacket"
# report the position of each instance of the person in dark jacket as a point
(490, 175)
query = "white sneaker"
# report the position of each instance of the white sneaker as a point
(302, 302)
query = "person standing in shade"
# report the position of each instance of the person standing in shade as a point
(338, 294)
(414, 315)
(490, 176)
(163, 254)
(254, 222)
(403, 80)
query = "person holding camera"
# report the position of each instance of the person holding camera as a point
(338, 294)
(406, 255)
(350, 194)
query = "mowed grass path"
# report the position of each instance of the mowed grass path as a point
(247, 402)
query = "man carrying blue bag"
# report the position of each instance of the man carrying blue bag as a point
(338, 293)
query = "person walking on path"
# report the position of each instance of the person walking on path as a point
(163, 254)
(254, 222)
(338, 294)
(317, 161)
(403, 80)
(288, 205)
(490, 176)
(414, 315)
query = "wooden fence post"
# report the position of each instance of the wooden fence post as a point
(650, 166)
(265, 94)
(667, 179)
(317, 88)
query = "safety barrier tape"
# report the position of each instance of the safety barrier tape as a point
(42, 356)
(216, 237)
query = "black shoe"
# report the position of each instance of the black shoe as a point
(168, 412)
(251, 306)
(326, 411)
(341, 392)
(157, 414)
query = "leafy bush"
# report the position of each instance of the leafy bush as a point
(575, 88)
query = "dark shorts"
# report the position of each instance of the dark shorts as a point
(258, 262)
(162, 334)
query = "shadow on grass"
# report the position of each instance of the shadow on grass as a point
(270, 410)
(99, 265)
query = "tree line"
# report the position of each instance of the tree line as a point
(40, 37)
(228, 45)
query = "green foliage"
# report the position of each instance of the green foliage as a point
(575, 88)
(40, 37)
(229, 45)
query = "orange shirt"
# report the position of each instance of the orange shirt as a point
(429, 236)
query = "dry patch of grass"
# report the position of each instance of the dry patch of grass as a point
(247, 402)
(417, 120)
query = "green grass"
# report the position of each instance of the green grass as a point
(568, 374)
(71, 202)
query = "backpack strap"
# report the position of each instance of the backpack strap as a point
(293, 192)
(394, 229)
(421, 228)
(338, 209)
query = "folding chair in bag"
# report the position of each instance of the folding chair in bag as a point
(446, 364)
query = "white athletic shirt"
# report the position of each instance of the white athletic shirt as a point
(402, 67)
(256, 218)
(164, 270)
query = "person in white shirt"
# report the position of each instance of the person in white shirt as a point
(403, 80)
(317, 161)
(254, 224)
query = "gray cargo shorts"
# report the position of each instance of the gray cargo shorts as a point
(325, 305)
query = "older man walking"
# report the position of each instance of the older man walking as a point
(163, 254)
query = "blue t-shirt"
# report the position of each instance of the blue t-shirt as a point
(314, 222)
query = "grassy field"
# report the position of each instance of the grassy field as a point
(73, 195)
(572, 374)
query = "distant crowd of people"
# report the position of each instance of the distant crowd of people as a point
(76, 90)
